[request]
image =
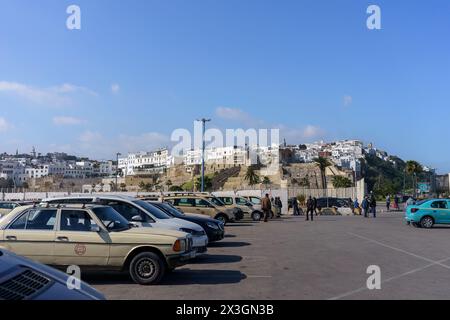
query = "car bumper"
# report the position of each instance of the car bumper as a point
(199, 244)
(216, 235)
(181, 259)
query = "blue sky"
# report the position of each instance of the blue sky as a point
(139, 69)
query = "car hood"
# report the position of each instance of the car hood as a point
(10, 261)
(175, 224)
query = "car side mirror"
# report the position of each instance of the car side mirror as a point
(137, 219)
(95, 228)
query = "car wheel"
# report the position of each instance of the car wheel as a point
(256, 216)
(147, 268)
(427, 222)
(222, 218)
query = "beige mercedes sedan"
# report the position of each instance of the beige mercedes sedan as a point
(94, 237)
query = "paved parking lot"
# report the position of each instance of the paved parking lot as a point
(294, 259)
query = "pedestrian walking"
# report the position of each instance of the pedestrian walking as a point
(316, 212)
(365, 207)
(310, 209)
(373, 205)
(356, 207)
(266, 207)
(279, 206)
(388, 203)
(295, 207)
(396, 203)
(409, 202)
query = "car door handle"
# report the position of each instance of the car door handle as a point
(63, 239)
(11, 238)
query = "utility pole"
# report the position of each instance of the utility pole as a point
(203, 121)
(117, 169)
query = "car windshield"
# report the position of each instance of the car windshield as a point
(112, 220)
(216, 201)
(153, 210)
(170, 210)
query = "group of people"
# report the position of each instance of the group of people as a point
(271, 205)
(311, 208)
(368, 205)
(395, 205)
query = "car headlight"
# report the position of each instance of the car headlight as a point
(212, 225)
(179, 245)
(190, 231)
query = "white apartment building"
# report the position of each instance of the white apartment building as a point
(145, 162)
(37, 171)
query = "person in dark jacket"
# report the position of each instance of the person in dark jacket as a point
(278, 206)
(373, 205)
(266, 207)
(365, 207)
(310, 209)
(295, 207)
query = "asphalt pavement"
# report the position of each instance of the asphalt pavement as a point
(291, 258)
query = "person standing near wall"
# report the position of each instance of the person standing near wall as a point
(266, 207)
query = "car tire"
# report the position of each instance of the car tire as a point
(256, 216)
(221, 217)
(147, 268)
(427, 222)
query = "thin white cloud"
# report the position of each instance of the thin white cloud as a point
(300, 135)
(5, 125)
(90, 137)
(115, 88)
(239, 116)
(348, 100)
(53, 96)
(67, 121)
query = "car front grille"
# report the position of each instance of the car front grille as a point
(24, 285)
(198, 233)
(189, 244)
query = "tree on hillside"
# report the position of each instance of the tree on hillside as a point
(251, 176)
(266, 182)
(323, 164)
(169, 184)
(341, 182)
(414, 168)
(207, 183)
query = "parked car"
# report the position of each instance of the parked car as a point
(8, 206)
(23, 279)
(215, 229)
(143, 214)
(427, 213)
(238, 212)
(196, 204)
(94, 236)
(335, 205)
(243, 204)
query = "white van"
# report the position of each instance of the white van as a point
(141, 213)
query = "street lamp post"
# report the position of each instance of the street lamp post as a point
(203, 121)
(117, 168)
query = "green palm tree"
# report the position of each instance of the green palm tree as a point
(323, 164)
(266, 181)
(414, 168)
(251, 176)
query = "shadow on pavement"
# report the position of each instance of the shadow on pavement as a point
(230, 236)
(239, 224)
(216, 258)
(229, 244)
(188, 276)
